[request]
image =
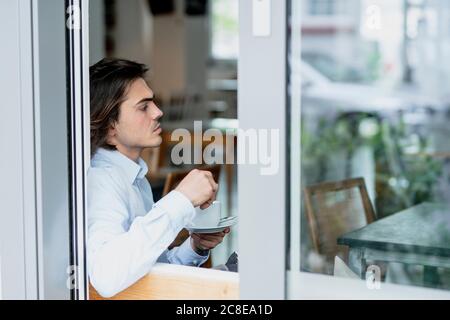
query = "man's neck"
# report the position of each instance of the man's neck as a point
(131, 153)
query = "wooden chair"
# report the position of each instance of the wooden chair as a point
(333, 209)
(156, 159)
(175, 282)
(172, 180)
(159, 164)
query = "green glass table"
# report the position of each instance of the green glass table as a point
(419, 235)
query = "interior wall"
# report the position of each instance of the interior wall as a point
(175, 46)
(134, 31)
(196, 41)
(96, 30)
(168, 63)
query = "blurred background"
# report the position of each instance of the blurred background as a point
(375, 104)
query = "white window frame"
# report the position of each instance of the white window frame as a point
(262, 200)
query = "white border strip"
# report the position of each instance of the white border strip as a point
(307, 286)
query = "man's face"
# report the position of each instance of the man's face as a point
(138, 125)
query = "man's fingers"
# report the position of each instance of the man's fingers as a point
(208, 244)
(206, 205)
(210, 177)
(209, 241)
(209, 237)
(212, 238)
(203, 244)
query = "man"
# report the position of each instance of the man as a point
(128, 232)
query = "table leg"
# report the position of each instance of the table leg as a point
(431, 277)
(230, 155)
(357, 262)
(229, 178)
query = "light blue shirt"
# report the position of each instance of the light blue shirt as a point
(127, 232)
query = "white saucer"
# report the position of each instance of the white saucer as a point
(223, 224)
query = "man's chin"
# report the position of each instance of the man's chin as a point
(154, 143)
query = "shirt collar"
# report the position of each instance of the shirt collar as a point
(131, 169)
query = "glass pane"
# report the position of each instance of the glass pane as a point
(195, 100)
(375, 153)
(225, 29)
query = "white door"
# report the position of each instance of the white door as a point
(42, 230)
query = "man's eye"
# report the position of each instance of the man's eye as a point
(144, 108)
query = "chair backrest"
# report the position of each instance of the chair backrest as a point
(174, 178)
(151, 156)
(333, 209)
(157, 158)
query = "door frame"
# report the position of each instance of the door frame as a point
(262, 105)
(77, 50)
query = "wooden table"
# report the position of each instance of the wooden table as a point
(176, 282)
(419, 235)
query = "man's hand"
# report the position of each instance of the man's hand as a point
(201, 242)
(199, 187)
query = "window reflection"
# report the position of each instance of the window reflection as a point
(375, 153)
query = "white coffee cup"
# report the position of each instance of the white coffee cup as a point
(209, 217)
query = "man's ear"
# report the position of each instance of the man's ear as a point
(111, 136)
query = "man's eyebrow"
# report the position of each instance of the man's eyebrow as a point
(149, 99)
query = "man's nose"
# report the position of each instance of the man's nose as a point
(157, 113)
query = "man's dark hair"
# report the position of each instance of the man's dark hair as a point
(109, 82)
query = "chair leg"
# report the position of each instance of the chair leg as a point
(431, 277)
(229, 177)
